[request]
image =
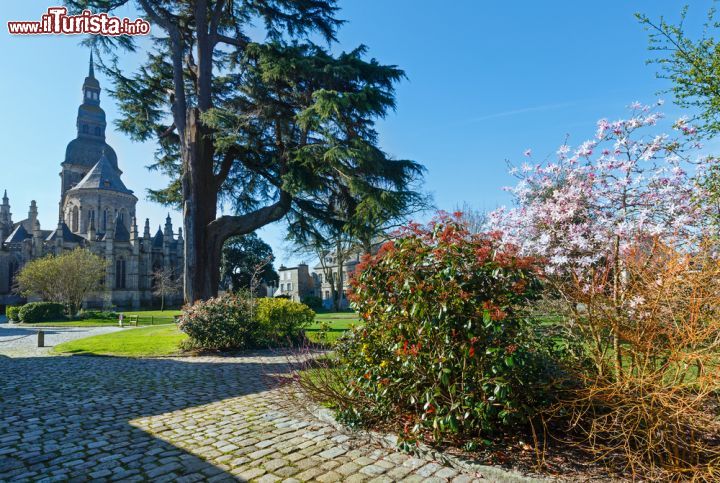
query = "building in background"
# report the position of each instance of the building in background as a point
(299, 282)
(97, 212)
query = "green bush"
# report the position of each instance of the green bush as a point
(13, 312)
(313, 302)
(41, 312)
(221, 323)
(281, 321)
(98, 315)
(444, 345)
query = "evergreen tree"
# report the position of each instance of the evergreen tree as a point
(273, 128)
(246, 261)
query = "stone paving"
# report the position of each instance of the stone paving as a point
(21, 341)
(182, 420)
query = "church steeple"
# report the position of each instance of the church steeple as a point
(91, 118)
(91, 86)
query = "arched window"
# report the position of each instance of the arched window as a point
(74, 221)
(120, 274)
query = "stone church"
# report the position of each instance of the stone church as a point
(97, 212)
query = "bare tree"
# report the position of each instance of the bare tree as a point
(166, 283)
(475, 219)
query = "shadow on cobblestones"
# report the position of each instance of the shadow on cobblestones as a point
(75, 418)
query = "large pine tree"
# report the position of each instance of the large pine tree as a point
(273, 127)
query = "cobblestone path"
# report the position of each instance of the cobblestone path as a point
(180, 420)
(21, 341)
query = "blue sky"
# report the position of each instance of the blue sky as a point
(486, 80)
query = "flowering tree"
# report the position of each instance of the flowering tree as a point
(590, 207)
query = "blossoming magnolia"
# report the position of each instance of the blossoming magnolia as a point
(592, 203)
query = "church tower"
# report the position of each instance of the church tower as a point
(83, 152)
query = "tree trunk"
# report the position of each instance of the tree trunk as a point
(340, 257)
(201, 275)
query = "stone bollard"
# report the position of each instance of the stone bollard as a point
(41, 338)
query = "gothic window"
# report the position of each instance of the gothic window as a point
(120, 274)
(12, 269)
(74, 219)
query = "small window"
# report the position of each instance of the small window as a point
(282, 287)
(120, 274)
(85, 129)
(98, 131)
(289, 287)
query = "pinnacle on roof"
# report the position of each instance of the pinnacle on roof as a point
(91, 81)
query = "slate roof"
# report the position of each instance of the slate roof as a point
(85, 151)
(158, 239)
(103, 176)
(121, 233)
(67, 235)
(18, 235)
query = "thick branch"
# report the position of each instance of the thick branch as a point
(237, 42)
(227, 226)
(225, 167)
(215, 20)
(167, 131)
(204, 56)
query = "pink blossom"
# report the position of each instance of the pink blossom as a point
(573, 210)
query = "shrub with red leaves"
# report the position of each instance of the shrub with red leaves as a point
(444, 342)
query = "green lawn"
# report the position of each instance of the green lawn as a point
(166, 314)
(146, 317)
(338, 322)
(161, 340)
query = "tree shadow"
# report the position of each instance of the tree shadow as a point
(69, 417)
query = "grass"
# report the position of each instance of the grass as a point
(337, 324)
(145, 317)
(161, 340)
